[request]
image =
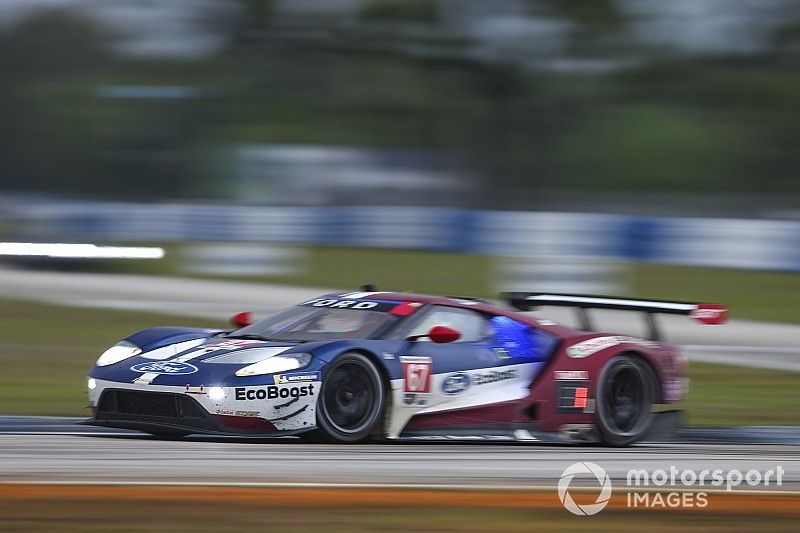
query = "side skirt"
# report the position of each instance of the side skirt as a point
(491, 433)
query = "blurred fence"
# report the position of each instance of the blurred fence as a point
(740, 243)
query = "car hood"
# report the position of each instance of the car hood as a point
(196, 361)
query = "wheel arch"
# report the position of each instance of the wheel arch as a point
(384, 373)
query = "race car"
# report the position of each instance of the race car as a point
(351, 366)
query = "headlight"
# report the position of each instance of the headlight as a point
(119, 352)
(276, 363)
(216, 394)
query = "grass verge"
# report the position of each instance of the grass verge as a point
(46, 351)
(725, 395)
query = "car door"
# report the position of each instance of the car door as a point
(470, 370)
(494, 361)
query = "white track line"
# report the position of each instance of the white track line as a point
(418, 486)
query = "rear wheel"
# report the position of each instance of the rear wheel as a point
(626, 393)
(351, 401)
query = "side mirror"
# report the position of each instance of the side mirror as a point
(245, 318)
(438, 334)
(443, 334)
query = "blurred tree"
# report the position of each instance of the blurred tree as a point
(46, 140)
(254, 19)
(599, 15)
(525, 97)
(400, 10)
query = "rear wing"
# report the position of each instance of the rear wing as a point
(702, 312)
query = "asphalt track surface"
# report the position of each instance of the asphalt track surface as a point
(739, 342)
(55, 450)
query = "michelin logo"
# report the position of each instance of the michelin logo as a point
(300, 377)
(494, 376)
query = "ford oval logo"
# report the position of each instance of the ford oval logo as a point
(455, 383)
(165, 367)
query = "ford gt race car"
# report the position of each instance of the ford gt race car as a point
(346, 367)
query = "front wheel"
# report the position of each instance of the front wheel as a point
(626, 393)
(351, 401)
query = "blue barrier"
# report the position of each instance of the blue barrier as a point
(760, 244)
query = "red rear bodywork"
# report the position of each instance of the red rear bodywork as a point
(575, 366)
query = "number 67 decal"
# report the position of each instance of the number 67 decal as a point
(416, 373)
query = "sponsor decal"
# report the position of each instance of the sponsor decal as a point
(171, 368)
(299, 377)
(415, 400)
(455, 383)
(592, 346)
(388, 356)
(493, 376)
(248, 414)
(576, 375)
(417, 373)
(195, 390)
(273, 392)
(342, 304)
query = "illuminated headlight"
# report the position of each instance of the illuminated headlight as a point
(91, 384)
(216, 394)
(119, 352)
(277, 363)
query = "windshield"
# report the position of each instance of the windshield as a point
(303, 323)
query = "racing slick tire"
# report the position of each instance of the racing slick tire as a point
(351, 400)
(626, 393)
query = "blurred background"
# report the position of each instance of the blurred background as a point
(445, 145)
(175, 161)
